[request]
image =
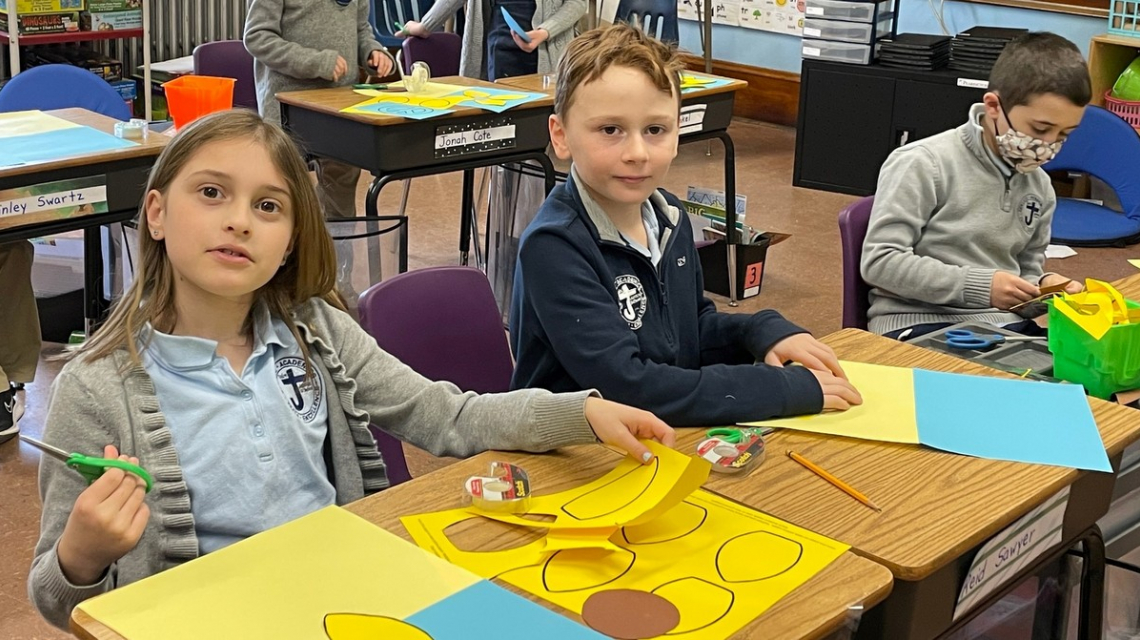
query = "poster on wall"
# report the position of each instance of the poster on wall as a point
(777, 16)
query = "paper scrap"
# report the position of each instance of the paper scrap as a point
(1059, 251)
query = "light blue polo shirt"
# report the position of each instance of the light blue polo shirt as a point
(251, 446)
(652, 233)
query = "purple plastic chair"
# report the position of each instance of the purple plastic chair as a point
(853, 221)
(439, 50)
(228, 59)
(444, 323)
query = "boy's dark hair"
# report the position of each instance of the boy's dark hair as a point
(589, 55)
(1037, 63)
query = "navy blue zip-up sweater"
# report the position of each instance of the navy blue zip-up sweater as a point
(589, 311)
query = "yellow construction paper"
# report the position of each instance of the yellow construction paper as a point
(1135, 263)
(688, 81)
(633, 493)
(433, 89)
(1096, 308)
(356, 626)
(887, 414)
(719, 563)
(282, 583)
(24, 123)
(431, 102)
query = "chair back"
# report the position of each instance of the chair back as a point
(853, 221)
(228, 59)
(62, 86)
(658, 18)
(440, 50)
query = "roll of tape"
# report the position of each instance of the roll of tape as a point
(135, 129)
(505, 488)
(734, 458)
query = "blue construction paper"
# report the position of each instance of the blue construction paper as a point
(515, 26)
(1001, 419)
(485, 610)
(54, 145)
(488, 98)
(402, 110)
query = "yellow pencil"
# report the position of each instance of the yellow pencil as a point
(843, 486)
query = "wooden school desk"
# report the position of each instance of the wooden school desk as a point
(938, 508)
(393, 148)
(705, 114)
(814, 610)
(1129, 286)
(125, 173)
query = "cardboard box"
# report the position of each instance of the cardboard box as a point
(112, 20)
(42, 23)
(103, 6)
(43, 6)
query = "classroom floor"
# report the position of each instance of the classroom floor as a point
(802, 279)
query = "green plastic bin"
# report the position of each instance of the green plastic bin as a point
(1103, 366)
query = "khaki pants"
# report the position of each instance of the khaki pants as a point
(19, 319)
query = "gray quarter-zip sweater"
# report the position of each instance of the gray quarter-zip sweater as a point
(948, 214)
(97, 403)
(294, 44)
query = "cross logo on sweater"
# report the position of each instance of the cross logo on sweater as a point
(1030, 209)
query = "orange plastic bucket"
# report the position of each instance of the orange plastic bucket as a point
(191, 97)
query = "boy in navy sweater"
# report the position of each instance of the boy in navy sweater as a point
(608, 288)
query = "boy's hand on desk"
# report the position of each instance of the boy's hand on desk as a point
(1008, 290)
(838, 393)
(339, 69)
(537, 37)
(621, 426)
(380, 63)
(1052, 279)
(107, 521)
(805, 350)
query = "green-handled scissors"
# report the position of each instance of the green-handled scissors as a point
(735, 435)
(89, 467)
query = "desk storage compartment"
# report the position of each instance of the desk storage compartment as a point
(837, 51)
(844, 10)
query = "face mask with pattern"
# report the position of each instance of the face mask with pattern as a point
(1023, 151)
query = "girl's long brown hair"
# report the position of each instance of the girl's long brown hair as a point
(309, 270)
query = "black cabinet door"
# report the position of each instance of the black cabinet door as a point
(923, 109)
(844, 129)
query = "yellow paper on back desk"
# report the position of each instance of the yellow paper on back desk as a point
(282, 583)
(887, 413)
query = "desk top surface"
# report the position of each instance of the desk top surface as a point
(331, 101)
(152, 146)
(534, 82)
(936, 505)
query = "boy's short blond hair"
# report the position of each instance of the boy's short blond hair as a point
(589, 56)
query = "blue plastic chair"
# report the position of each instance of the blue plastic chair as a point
(658, 18)
(60, 86)
(386, 12)
(1108, 148)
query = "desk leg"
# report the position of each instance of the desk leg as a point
(93, 304)
(1091, 624)
(466, 215)
(730, 212)
(372, 210)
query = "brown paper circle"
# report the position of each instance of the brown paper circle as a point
(629, 614)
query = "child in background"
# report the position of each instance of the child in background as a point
(961, 219)
(608, 288)
(19, 333)
(314, 44)
(230, 372)
(491, 49)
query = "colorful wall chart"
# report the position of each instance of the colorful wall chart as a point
(327, 575)
(718, 564)
(982, 416)
(34, 136)
(776, 16)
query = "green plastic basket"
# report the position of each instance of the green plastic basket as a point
(1102, 366)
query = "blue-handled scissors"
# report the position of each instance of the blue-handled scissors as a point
(966, 339)
(90, 467)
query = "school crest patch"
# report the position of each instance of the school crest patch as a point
(303, 395)
(1030, 209)
(631, 300)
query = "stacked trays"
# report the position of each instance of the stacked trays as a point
(915, 51)
(976, 50)
(845, 31)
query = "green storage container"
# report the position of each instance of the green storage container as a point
(1102, 366)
